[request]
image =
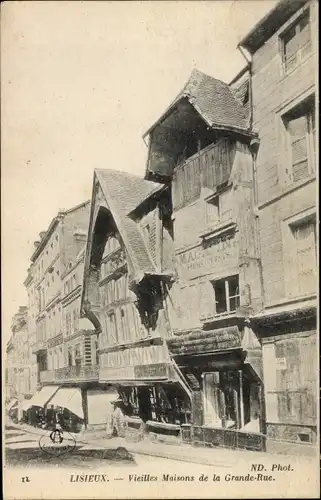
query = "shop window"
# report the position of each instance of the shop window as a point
(231, 400)
(299, 125)
(296, 42)
(168, 404)
(227, 296)
(130, 398)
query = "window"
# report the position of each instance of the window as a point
(68, 323)
(77, 355)
(69, 356)
(124, 328)
(231, 400)
(227, 296)
(296, 42)
(304, 235)
(97, 351)
(300, 127)
(75, 319)
(112, 330)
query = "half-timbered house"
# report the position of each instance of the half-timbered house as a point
(203, 147)
(129, 261)
(172, 273)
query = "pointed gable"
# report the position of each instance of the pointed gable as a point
(205, 107)
(213, 100)
(123, 192)
(115, 196)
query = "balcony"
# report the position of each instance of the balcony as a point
(39, 346)
(77, 374)
(46, 376)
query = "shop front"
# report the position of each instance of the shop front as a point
(227, 396)
(289, 343)
(154, 398)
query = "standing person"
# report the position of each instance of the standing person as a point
(118, 419)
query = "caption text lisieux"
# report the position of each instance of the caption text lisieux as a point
(257, 473)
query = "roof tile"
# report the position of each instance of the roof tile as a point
(123, 193)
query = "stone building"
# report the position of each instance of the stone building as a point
(58, 245)
(282, 49)
(17, 359)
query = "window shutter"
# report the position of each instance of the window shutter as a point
(305, 36)
(298, 131)
(306, 257)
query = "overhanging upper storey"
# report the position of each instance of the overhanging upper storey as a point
(115, 196)
(202, 112)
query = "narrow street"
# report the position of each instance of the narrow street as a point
(22, 449)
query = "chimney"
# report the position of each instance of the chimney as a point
(41, 234)
(36, 244)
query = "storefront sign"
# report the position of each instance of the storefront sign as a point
(156, 371)
(147, 362)
(202, 260)
(116, 374)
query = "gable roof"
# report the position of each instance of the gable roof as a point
(123, 192)
(214, 101)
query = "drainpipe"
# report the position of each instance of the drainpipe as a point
(254, 147)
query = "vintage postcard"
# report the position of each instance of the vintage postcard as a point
(160, 249)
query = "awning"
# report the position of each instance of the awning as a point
(40, 398)
(11, 404)
(69, 398)
(25, 405)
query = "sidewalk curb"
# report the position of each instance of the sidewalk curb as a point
(150, 453)
(229, 462)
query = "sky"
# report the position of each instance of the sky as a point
(81, 82)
